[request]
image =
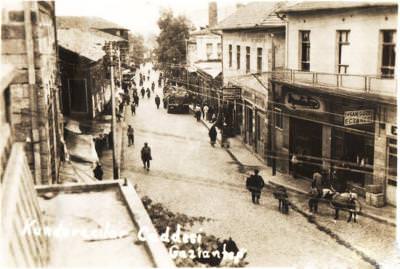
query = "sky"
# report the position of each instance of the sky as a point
(141, 16)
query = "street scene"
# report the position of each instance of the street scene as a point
(207, 134)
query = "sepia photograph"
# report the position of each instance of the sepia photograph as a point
(207, 133)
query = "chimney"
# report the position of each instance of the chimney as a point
(212, 14)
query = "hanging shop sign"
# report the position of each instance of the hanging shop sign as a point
(296, 101)
(358, 117)
(231, 93)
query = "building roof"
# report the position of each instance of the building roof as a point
(330, 5)
(253, 15)
(88, 44)
(205, 31)
(84, 23)
(211, 68)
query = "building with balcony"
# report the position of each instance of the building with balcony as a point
(253, 41)
(334, 103)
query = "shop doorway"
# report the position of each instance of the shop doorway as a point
(305, 142)
(249, 125)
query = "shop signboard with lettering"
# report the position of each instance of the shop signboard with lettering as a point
(296, 101)
(358, 117)
(231, 93)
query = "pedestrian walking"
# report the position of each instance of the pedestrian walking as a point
(205, 111)
(313, 201)
(158, 101)
(98, 171)
(254, 184)
(148, 93)
(146, 156)
(143, 91)
(197, 113)
(213, 135)
(152, 86)
(133, 108)
(131, 135)
(136, 99)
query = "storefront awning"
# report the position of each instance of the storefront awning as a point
(248, 82)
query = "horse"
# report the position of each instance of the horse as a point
(345, 201)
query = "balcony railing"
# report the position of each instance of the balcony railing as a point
(353, 83)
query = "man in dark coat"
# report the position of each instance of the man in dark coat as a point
(213, 135)
(136, 99)
(98, 172)
(254, 184)
(146, 156)
(157, 100)
(131, 135)
(143, 91)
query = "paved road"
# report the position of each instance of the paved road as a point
(189, 176)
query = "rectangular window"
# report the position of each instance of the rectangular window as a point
(388, 38)
(259, 60)
(278, 118)
(238, 57)
(219, 50)
(342, 53)
(230, 55)
(305, 50)
(209, 49)
(78, 95)
(247, 59)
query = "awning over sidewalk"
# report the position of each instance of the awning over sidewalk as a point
(248, 82)
(212, 69)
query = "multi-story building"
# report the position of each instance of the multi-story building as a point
(335, 101)
(204, 61)
(253, 40)
(29, 44)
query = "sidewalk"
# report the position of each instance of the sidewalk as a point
(245, 157)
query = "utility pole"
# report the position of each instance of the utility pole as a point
(112, 53)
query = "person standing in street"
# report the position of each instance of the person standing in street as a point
(213, 135)
(254, 184)
(133, 108)
(205, 111)
(158, 101)
(131, 135)
(197, 112)
(143, 91)
(148, 93)
(98, 171)
(136, 99)
(146, 156)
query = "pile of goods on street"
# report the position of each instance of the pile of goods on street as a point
(201, 250)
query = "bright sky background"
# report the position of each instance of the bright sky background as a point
(141, 15)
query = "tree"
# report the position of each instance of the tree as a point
(136, 48)
(172, 39)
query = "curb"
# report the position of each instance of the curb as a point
(296, 190)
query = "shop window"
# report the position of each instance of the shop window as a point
(238, 57)
(247, 59)
(259, 60)
(388, 38)
(230, 55)
(342, 53)
(278, 118)
(78, 95)
(305, 50)
(209, 47)
(392, 161)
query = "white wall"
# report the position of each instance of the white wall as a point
(254, 40)
(201, 44)
(364, 49)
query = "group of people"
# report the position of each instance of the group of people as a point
(205, 112)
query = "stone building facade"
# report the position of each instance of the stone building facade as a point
(253, 41)
(29, 43)
(335, 102)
